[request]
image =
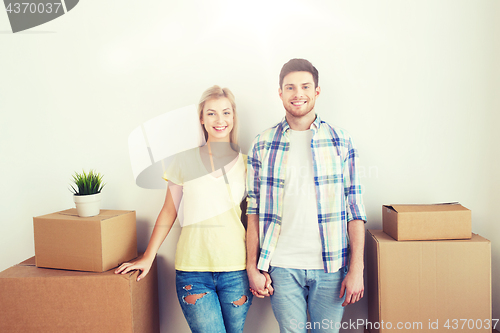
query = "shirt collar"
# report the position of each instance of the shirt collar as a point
(314, 126)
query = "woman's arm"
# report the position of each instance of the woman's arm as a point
(162, 227)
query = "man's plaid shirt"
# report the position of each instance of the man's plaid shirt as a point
(337, 189)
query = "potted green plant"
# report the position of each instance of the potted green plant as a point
(87, 194)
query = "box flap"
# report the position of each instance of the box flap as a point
(381, 237)
(415, 208)
(27, 269)
(71, 214)
(28, 262)
(103, 214)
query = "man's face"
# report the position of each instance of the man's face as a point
(298, 93)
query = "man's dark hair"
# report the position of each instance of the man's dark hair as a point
(299, 65)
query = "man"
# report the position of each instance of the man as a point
(305, 212)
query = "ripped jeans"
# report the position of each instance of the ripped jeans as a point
(215, 302)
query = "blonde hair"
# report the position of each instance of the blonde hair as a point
(217, 92)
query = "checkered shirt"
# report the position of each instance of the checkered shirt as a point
(336, 179)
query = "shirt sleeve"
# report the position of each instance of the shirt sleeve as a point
(173, 171)
(352, 186)
(253, 178)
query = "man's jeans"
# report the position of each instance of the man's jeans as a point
(219, 301)
(297, 291)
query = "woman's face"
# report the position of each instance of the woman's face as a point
(217, 117)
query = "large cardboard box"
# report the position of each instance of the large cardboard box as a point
(427, 222)
(428, 286)
(66, 241)
(49, 300)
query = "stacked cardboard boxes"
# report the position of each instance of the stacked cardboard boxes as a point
(82, 294)
(432, 282)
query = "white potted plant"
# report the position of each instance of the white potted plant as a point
(87, 194)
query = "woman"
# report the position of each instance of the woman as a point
(211, 281)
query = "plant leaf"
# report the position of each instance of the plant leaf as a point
(87, 183)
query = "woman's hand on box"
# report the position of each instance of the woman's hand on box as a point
(143, 265)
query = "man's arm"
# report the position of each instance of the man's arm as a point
(353, 285)
(260, 283)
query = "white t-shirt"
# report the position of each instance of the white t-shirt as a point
(299, 242)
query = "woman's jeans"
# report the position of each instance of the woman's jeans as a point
(214, 301)
(297, 291)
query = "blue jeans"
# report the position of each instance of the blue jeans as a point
(215, 302)
(297, 291)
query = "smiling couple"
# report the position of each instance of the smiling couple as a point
(305, 232)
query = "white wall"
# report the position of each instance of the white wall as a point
(415, 83)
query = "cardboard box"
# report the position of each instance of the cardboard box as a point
(66, 241)
(428, 282)
(427, 222)
(49, 300)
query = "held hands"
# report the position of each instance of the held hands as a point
(260, 284)
(353, 287)
(143, 264)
